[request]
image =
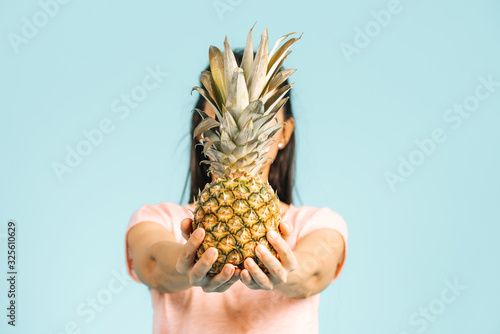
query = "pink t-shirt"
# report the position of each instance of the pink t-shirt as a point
(239, 309)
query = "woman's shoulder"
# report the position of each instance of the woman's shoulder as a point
(163, 210)
(305, 212)
(307, 218)
(165, 206)
(167, 214)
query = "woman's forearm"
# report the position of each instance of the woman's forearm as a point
(163, 276)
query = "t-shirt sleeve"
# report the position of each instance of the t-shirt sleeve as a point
(326, 218)
(149, 213)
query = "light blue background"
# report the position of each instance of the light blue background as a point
(354, 119)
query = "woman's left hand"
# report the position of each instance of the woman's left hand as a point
(254, 278)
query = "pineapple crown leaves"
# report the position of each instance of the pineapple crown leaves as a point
(245, 100)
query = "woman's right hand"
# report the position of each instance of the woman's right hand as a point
(197, 272)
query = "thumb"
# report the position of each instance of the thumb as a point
(186, 227)
(285, 229)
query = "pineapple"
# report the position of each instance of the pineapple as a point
(238, 207)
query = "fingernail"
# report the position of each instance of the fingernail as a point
(211, 252)
(227, 270)
(198, 233)
(273, 234)
(263, 249)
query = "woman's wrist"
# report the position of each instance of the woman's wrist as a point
(164, 276)
(300, 282)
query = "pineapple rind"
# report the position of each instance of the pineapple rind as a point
(236, 215)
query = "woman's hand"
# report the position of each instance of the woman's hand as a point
(254, 278)
(197, 272)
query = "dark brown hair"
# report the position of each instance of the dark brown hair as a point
(281, 173)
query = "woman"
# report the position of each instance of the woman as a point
(161, 248)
